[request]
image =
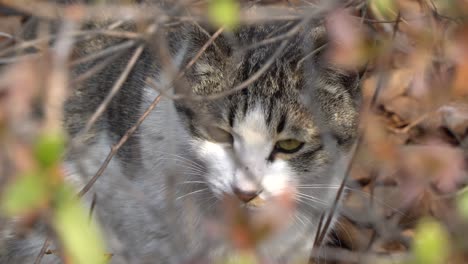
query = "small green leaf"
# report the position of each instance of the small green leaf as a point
(241, 258)
(462, 204)
(49, 148)
(26, 193)
(384, 9)
(81, 239)
(224, 12)
(431, 243)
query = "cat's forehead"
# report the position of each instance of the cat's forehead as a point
(271, 102)
(253, 127)
(249, 113)
(269, 66)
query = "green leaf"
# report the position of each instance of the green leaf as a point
(384, 9)
(49, 148)
(224, 13)
(462, 204)
(81, 238)
(26, 193)
(241, 258)
(431, 243)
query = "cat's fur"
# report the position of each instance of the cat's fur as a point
(161, 194)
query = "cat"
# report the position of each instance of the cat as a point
(179, 184)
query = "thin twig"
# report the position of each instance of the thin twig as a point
(271, 40)
(115, 89)
(92, 207)
(117, 146)
(86, 34)
(332, 211)
(6, 35)
(95, 69)
(319, 228)
(55, 11)
(337, 254)
(58, 79)
(16, 59)
(105, 52)
(201, 51)
(42, 252)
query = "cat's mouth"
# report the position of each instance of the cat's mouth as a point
(265, 206)
(255, 203)
(257, 219)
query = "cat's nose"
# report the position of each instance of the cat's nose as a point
(243, 195)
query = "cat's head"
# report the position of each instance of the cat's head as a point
(267, 138)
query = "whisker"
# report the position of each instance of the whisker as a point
(342, 227)
(193, 173)
(363, 193)
(194, 182)
(190, 193)
(301, 201)
(185, 163)
(306, 217)
(296, 216)
(190, 168)
(212, 204)
(181, 158)
(312, 198)
(317, 185)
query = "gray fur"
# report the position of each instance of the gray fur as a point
(140, 225)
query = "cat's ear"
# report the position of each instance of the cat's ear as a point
(208, 53)
(214, 39)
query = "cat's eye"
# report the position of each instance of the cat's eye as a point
(219, 135)
(289, 145)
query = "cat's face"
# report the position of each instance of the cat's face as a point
(264, 141)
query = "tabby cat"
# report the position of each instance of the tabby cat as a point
(216, 156)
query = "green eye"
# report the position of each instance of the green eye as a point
(289, 145)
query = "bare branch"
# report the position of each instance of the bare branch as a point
(117, 146)
(115, 89)
(42, 252)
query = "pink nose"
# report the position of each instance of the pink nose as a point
(245, 196)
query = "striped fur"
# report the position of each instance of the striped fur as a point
(176, 153)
